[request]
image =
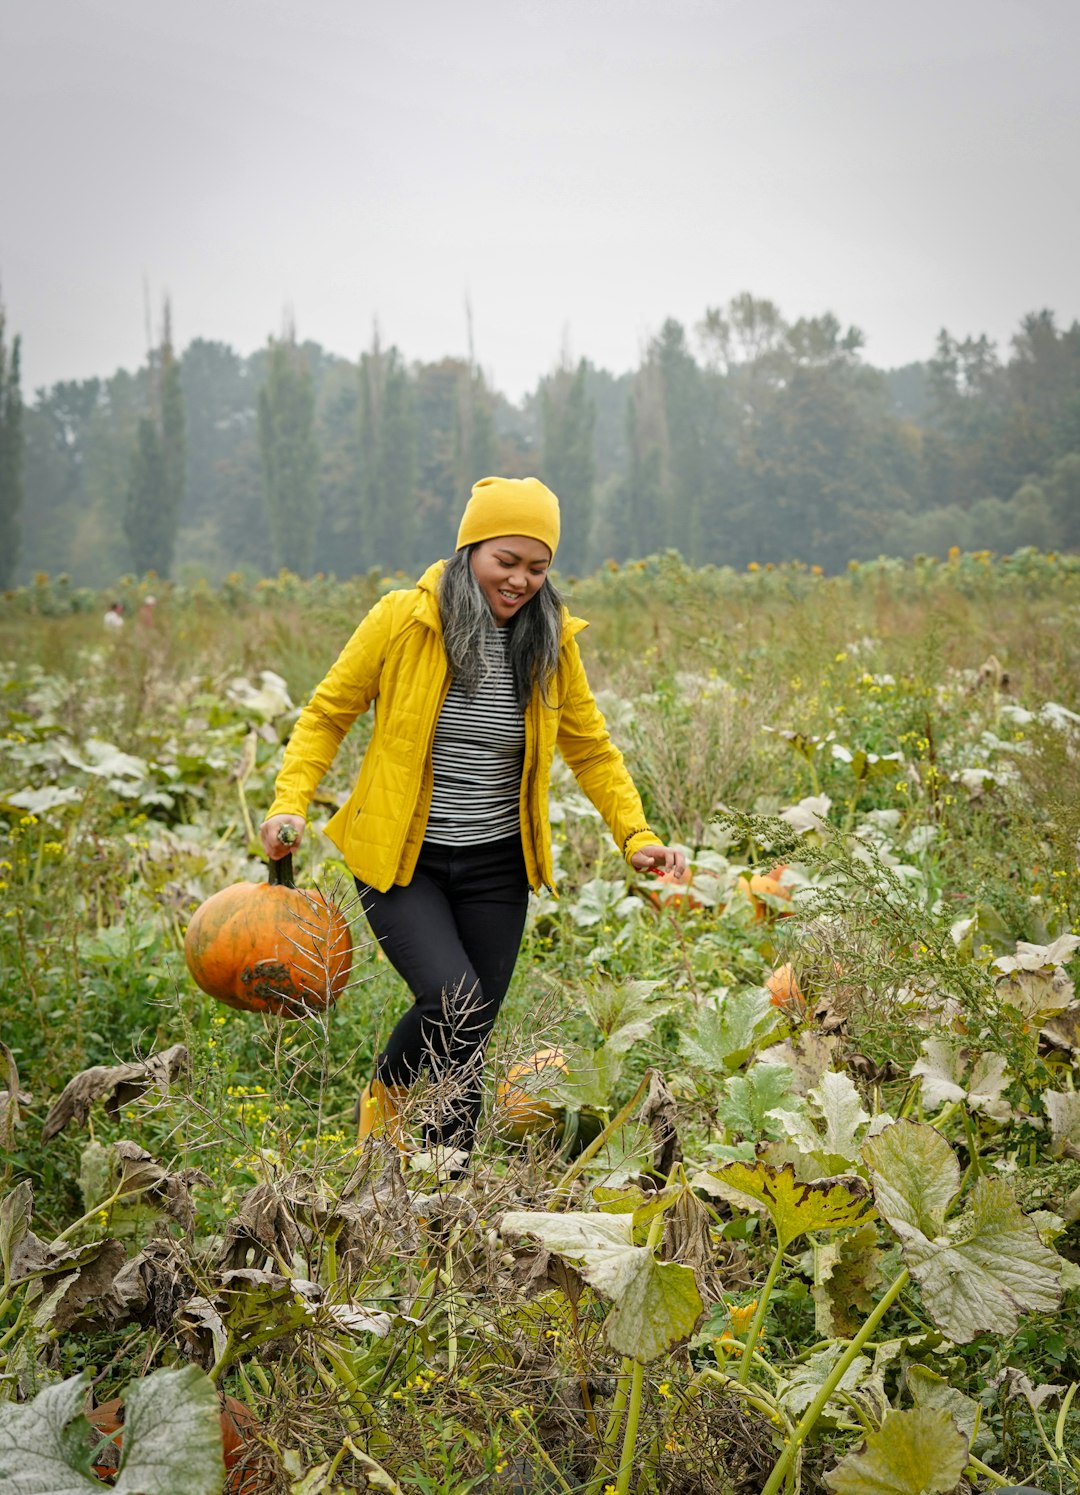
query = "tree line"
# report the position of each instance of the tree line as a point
(746, 438)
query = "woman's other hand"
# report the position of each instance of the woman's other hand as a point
(660, 859)
(270, 834)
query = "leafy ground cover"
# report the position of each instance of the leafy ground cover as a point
(800, 1205)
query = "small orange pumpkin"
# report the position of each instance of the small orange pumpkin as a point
(784, 990)
(246, 1475)
(519, 1111)
(670, 892)
(763, 887)
(270, 947)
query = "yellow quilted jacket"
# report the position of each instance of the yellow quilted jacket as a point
(396, 659)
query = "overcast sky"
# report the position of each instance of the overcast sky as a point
(577, 169)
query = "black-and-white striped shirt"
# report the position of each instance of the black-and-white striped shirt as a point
(478, 756)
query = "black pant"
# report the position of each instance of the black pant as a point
(453, 933)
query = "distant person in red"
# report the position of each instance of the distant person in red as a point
(114, 617)
(145, 618)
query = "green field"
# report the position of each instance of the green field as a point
(802, 1200)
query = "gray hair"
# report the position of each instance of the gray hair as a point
(469, 631)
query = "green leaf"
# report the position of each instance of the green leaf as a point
(729, 1029)
(171, 1445)
(624, 1011)
(748, 1100)
(806, 1380)
(913, 1453)
(797, 1208)
(930, 1390)
(590, 1079)
(834, 1124)
(916, 1177)
(836, 1105)
(656, 1304)
(982, 1269)
(944, 1074)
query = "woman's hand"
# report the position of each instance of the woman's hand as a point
(270, 835)
(660, 859)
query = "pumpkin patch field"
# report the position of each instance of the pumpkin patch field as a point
(778, 1180)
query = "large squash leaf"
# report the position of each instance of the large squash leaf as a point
(978, 1271)
(912, 1453)
(171, 1445)
(950, 1072)
(656, 1303)
(729, 1028)
(750, 1104)
(797, 1208)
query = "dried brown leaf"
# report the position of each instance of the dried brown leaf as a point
(659, 1113)
(120, 1084)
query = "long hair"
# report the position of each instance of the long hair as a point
(469, 631)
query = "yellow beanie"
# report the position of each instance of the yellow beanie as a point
(510, 506)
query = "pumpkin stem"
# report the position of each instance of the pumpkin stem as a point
(281, 872)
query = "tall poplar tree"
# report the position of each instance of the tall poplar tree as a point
(476, 444)
(156, 475)
(568, 464)
(289, 453)
(11, 455)
(388, 459)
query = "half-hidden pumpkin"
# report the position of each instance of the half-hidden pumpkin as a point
(520, 1110)
(247, 1465)
(270, 947)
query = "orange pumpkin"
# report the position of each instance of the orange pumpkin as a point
(765, 886)
(270, 947)
(784, 990)
(670, 891)
(519, 1111)
(246, 1476)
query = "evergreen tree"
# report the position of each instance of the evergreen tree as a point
(157, 473)
(388, 459)
(567, 463)
(289, 453)
(11, 455)
(145, 499)
(476, 446)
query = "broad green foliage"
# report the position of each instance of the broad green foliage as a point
(729, 1028)
(979, 1270)
(171, 1443)
(950, 1072)
(655, 1304)
(800, 1208)
(914, 1453)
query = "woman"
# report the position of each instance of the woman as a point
(477, 677)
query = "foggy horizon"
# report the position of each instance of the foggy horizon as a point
(576, 175)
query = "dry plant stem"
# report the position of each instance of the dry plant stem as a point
(816, 1407)
(597, 1143)
(583, 1369)
(544, 1457)
(382, 1480)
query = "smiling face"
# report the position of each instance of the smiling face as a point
(510, 569)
